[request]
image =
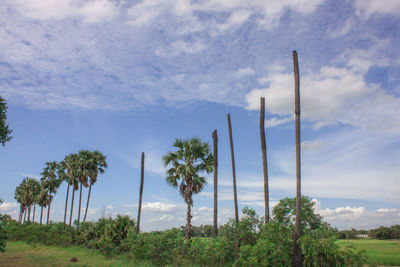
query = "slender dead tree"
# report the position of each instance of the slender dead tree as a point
(140, 194)
(234, 182)
(297, 256)
(215, 147)
(264, 157)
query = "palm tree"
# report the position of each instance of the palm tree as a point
(43, 199)
(191, 158)
(36, 190)
(97, 166)
(26, 192)
(19, 196)
(82, 172)
(215, 153)
(66, 172)
(50, 181)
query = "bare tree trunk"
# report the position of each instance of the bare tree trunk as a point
(188, 228)
(48, 211)
(72, 205)
(215, 145)
(87, 204)
(297, 256)
(140, 194)
(41, 214)
(29, 214)
(66, 205)
(20, 214)
(234, 182)
(80, 200)
(24, 215)
(264, 157)
(34, 211)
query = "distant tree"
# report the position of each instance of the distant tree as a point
(43, 199)
(192, 157)
(4, 128)
(285, 213)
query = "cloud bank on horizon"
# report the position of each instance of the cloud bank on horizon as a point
(127, 55)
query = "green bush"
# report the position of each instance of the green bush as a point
(210, 251)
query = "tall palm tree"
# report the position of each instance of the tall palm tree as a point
(82, 172)
(19, 196)
(140, 193)
(35, 192)
(97, 165)
(264, 157)
(215, 153)
(43, 199)
(192, 157)
(50, 181)
(66, 172)
(26, 193)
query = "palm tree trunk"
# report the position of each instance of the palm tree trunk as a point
(72, 205)
(34, 211)
(215, 147)
(48, 211)
(41, 214)
(188, 228)
(264, 157)
(20, 214)
(297, 256)
(24, 215)
(66, 205)
(29, 214)
(87, 204)
(80, 200)
(140, 194)
(234, 183)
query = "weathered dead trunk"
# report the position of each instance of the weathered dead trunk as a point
(264, 157)
(297, 256)
(140, 194)
(215, 148)
(234, 182)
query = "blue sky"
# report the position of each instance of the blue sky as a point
(130, 76)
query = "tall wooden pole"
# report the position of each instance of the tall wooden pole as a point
(264, 157)
(140, 194)
(234, 182)
(215, 144)
(297, 256)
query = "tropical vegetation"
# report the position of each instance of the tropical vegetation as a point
(4, 127)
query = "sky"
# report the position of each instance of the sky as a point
(126, 77)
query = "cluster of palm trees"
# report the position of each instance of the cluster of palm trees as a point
(77, 169)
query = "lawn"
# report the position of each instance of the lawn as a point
(22, 254)
(379, 252)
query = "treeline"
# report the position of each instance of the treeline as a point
(383, 232)
(77, 170)
(261, 244)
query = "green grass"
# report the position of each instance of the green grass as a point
(22, 254)
(379, 252)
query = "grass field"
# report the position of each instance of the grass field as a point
(23, 254)
(379, 252)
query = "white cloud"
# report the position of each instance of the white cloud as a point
(342, 30)
(110, 207)
(246, 71)
(277, 121)
(89, 11)
(159, 207)
(8, 207)
(359, 217)
(369, 7)
(312, 145)
(181, 47)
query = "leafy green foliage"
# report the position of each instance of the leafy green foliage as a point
(285, 213)
(4, 128)
(3, 236)
(392, 232)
